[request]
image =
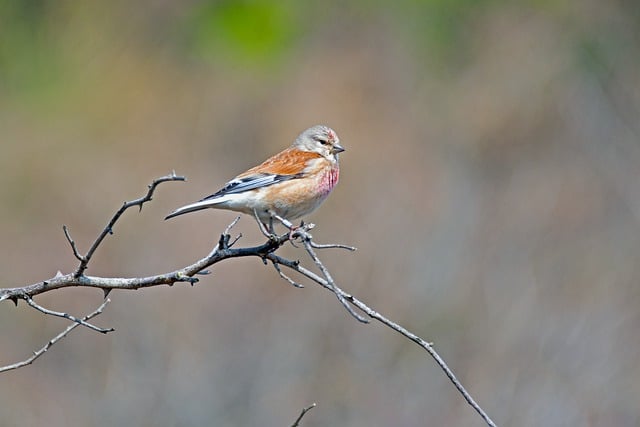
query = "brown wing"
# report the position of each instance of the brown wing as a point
(291, 161)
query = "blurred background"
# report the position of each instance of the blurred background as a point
(491, 183)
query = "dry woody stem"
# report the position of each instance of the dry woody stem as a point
(224, 249)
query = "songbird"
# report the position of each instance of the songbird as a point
(291, 184)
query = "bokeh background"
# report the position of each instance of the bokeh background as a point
(491, 183)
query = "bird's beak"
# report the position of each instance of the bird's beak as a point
(337, 148)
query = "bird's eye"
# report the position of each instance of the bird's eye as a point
(322, 141)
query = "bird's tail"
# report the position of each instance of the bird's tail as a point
(197, 206)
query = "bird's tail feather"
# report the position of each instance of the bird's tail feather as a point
(202, 204)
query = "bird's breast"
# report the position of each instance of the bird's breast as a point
(329, 180)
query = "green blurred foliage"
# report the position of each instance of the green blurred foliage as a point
(441, 28)
(255, 32)
(42, 43)
(30, 64)
(38, 38)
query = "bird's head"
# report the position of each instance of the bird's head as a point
(320, 139)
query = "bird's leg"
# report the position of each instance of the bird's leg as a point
(292, 228)
(268, 233)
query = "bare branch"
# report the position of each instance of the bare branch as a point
(131, 283)
(302, 414)
(54, 340)
(342, 295)
(82, 322)
(223, 250)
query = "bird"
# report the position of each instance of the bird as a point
(289, 185)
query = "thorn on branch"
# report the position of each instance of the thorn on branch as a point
(181, 277)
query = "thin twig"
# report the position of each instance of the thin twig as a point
(332, 246)
(284, 276)
(231, 225)
(84, 260)
(325, 272)
(302, 414)
(54, 340)
(429, 348)
(67, 316)
(72, 243)
(229, 243)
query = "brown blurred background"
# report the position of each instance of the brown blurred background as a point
(491, 183)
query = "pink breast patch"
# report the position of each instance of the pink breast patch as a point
(329, 180)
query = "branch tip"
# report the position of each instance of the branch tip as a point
(233, 242)
(231, 225)
(332, 246)
(296, 423)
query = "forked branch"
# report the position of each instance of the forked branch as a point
(223, 249)
(54, 340)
